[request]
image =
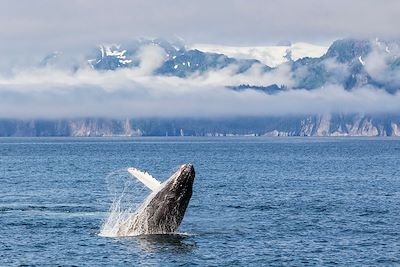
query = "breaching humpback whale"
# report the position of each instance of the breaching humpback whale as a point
(163, 210)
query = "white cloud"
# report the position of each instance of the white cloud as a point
(48, 93)
(27, 26)
(378, 63)
(151, 57)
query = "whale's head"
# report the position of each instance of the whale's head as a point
(168, 206)
(181, 183)
(165, 210)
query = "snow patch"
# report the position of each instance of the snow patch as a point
(114, 51)
(361, 61)
(269, 55)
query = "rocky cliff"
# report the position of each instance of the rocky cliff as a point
(316, 125)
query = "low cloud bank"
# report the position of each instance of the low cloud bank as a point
(51, 93)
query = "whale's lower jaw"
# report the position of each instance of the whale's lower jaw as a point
(163, 211)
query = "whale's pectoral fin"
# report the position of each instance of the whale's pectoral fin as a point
(145, 178)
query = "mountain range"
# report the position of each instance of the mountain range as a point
(342, 63)
(348, 63)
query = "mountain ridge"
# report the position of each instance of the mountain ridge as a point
(343, 63)
(346, 63)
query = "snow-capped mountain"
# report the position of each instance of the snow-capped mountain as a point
(351, 63)
(111, 57)
(348, 62)
(269, 55)
(185, 59)
(178, 61)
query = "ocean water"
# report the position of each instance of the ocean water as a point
(256, 201)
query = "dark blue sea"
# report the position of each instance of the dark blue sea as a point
(256, 201)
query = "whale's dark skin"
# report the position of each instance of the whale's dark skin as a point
(163, 211)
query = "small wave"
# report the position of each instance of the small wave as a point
(58, 208)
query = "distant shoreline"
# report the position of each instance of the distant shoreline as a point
(334, 125)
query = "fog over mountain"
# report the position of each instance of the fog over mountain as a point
(281, 69)
(155, 78)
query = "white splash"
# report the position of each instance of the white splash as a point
(127, 196)
(120, 222)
